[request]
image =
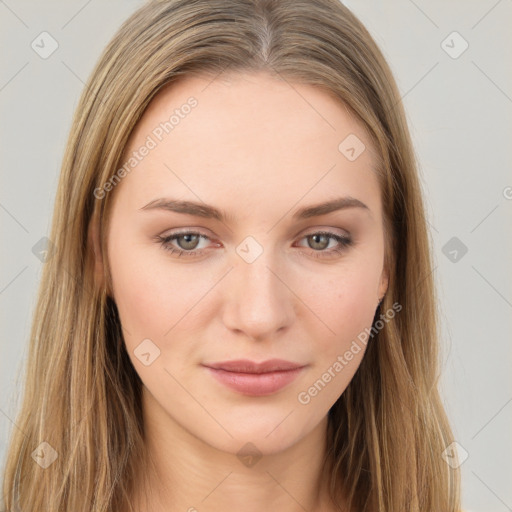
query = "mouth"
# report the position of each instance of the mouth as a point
(255, 379)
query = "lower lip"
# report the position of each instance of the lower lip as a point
(256, 384)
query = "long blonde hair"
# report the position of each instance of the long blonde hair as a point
(82, 395)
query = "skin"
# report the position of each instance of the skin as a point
(259, 148)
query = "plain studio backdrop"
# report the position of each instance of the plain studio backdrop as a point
(449, 59)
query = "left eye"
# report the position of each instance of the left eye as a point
(320, 239)
(188, 243)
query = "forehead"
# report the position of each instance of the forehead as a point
(251, 136)
(240, 104)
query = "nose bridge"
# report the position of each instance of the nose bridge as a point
(258, 301)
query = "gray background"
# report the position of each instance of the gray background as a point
(460, 115)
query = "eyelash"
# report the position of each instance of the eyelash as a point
(344, 242)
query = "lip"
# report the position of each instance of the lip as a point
(255, 379)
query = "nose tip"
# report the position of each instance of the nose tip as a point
(257, 302)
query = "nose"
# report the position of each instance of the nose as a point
(258, 303)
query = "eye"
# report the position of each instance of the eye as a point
(188, 243)
(320, 240)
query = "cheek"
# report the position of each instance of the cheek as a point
(139, 295)
(152, 296)
(158, 303)
(357, 302)
(347, 301)
(346, 304)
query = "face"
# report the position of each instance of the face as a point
(215, 255)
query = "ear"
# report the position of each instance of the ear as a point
(94, 245)
(383, 285)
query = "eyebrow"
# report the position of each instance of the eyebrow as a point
(210, 212)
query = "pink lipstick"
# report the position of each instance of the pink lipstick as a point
(255, 379)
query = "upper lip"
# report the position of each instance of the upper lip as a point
(247, 366)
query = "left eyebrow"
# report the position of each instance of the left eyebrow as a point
(208, 211)
(340, 203)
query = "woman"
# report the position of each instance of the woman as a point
(239, 310)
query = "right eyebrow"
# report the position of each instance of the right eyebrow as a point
(187, 207)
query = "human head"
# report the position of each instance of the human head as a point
(319, 44)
